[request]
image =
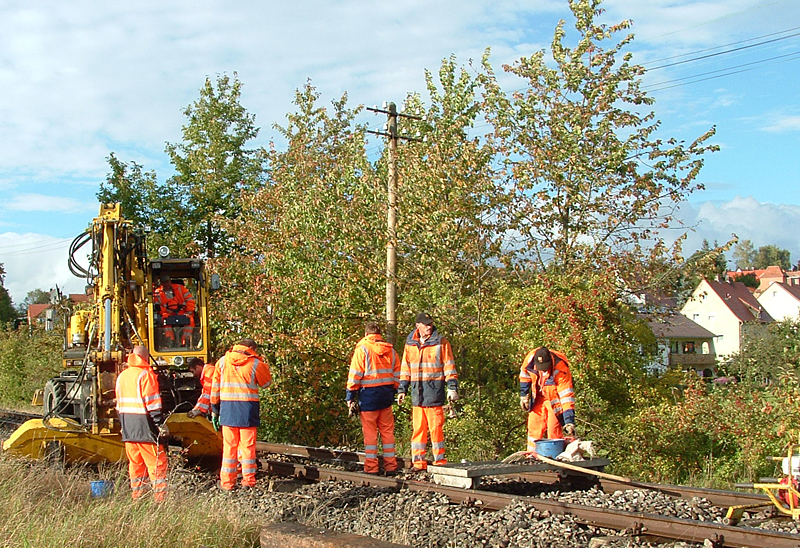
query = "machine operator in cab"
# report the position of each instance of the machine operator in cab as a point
(176, 305)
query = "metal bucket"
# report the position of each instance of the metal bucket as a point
(102, 488)
(550, 448)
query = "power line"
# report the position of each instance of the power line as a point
(723, 46)
(732, 50)
(656, 86)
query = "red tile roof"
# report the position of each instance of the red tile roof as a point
(740, 301)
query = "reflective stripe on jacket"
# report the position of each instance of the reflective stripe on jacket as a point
(425, 368)
(206, 380)
(234, 391)
(374, 374)
(554, 386)
(182, 301)
(139, 401)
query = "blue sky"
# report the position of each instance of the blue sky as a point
(83, 79)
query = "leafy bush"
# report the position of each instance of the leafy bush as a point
(27, 360)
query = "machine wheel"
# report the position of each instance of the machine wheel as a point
(54, 395)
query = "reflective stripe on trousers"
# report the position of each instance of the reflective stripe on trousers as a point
(238, 446)
(147, 460)
(542, 420)
(424, 420)
(373, 422)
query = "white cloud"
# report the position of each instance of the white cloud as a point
(784, 124)
(761, 223)
(36, 261)
(40, 202)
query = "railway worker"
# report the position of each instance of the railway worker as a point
(176, 304)
(238, 375)
(204, 373)
(547, 394)
(427, 368)
(143, 428)
(371, 384)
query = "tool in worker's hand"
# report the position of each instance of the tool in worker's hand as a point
(353, 408)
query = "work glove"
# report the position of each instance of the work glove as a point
(569, 430)
(193, 413)
(163, 431)
(400, 398)
(525, 403)
(452, 395)
(215, 421)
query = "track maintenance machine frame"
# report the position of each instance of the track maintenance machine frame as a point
(79, 421)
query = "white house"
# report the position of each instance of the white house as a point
(781, 301)
(727, 310)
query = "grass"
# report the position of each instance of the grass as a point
(46, 507)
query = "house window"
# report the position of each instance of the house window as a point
(675, 347)
(711, 318)
(688, 347)
(695, 317)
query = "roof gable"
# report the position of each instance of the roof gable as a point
(740, 301)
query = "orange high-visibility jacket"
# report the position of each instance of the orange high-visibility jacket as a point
(139, 401)
(425, 368)
(182, 301)
(374, 373)
(234, 390)
(554, 386)
(206, 380)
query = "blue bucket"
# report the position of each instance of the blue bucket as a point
(102, 488)
(550, 448)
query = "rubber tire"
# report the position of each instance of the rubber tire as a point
(55, 393)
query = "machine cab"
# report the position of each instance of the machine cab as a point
(178, 298)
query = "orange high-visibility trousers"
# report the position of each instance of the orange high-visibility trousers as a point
(542, 420)
(373, 422)
(147, 460)
(424, 420)
(238, 447)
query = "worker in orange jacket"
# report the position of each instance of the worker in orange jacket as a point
(143, 428)
(204, 373)
(427, 368)
(238, 375)
(547, 394)
(176, 304)
(371, 384)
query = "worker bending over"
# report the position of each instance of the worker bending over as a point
(547, 394)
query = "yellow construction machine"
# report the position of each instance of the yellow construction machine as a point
(79, 421)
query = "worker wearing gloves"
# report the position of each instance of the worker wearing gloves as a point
(547, 394)
(204, 373)
(143, 431)
(238, 375)
(371, 384)
(426, 368)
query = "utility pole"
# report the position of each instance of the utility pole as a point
(391, 215)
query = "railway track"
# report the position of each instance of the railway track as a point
(635, 523)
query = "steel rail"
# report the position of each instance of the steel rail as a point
(717, 497)
(634, 522)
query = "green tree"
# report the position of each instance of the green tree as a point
(7, 312)
(590, 183)
(771, 255)
(137, 191)
(213, 168)
(744, 255)
(35, 296)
